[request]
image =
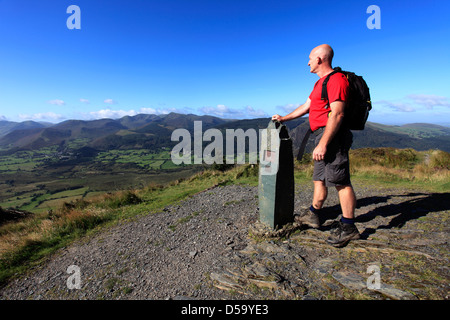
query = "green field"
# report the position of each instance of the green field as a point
(420, 131)
(43, 180)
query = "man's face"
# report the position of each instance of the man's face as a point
(313, 62)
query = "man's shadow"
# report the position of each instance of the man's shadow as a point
(403, 211)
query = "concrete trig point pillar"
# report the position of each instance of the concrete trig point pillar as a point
(276, 176)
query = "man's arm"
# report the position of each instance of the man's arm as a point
(333, 124)
(299, 112)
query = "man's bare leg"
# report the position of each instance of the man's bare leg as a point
(347, 199)
(320, 194)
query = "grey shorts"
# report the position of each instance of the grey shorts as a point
(334, 170)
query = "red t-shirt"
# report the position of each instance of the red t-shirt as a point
(337, 88)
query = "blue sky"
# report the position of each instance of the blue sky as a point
(228, 58)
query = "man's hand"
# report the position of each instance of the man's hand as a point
(319, 152)
(297, 113)
(277, 117)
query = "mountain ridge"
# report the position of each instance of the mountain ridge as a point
(154, 131)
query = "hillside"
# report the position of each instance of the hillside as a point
(416, 136)
(154, 131)
(126, 132)
(418, 130)
(9, 126)
(423, 137)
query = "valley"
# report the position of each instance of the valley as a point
(45, 179)
(43, 165)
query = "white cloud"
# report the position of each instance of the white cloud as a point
(429, 101)
(116, 114)
(49, 116)
(3, 118)
(57, 102)
(84, 100)
(415, 103)
(110, 101)
(224, 111)
(148, 110)
(255, 113)
(113, 114)
(396, 106)
(288, 108)
(219, 111)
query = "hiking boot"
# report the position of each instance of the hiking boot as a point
(343, 233)
(307, 217)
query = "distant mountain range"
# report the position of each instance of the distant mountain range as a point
(154, 131)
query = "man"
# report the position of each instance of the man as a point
(332, 143)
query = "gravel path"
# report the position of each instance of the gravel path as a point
(158, 256)
(183, 250)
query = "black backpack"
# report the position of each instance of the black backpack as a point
(358, 104)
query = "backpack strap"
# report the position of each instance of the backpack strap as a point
(301, 150)
(324, 95)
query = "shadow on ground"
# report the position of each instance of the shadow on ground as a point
(417, 205)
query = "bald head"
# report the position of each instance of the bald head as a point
(320, 59)
(324, 52)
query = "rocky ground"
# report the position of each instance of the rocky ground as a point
(206, 247)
